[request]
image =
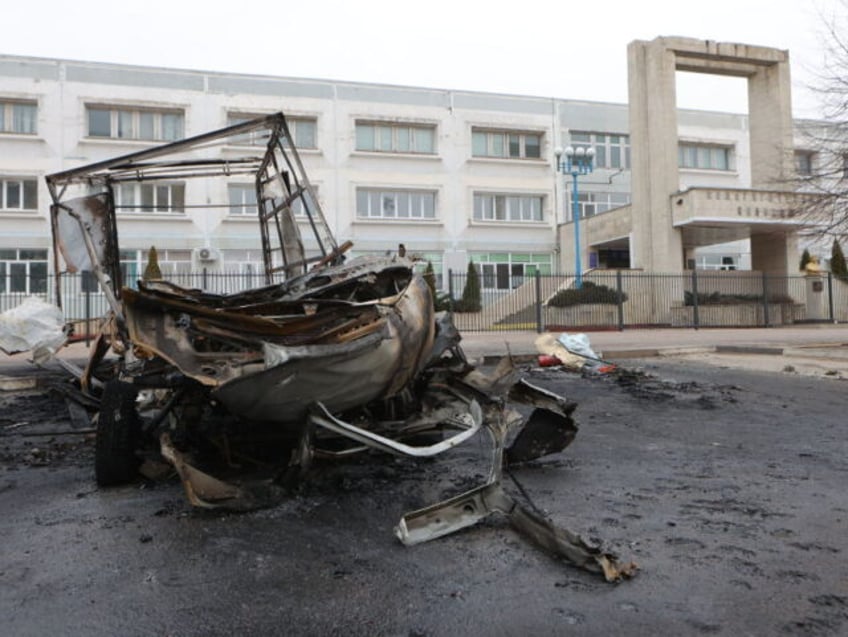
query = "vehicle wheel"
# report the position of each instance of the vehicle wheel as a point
(118, 429)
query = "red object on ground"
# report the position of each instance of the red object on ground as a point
(546, 360)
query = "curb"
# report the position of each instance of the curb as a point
(749, 349)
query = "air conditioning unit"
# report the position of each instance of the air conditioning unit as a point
(207, 255)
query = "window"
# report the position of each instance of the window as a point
(611, 150)
(18, 194)
(137, 124)
(592, 203)
(376, 203)
(158, 197)
(18, 117)
(23, 270)
(303, 130)
(242, 198)
(704, 156)
(713, 261)
(505, 143)
(497, 207)
(395, 138)
(509, 270)
(804, 162)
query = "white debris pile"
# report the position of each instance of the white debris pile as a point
(571, 351)
(33, 325)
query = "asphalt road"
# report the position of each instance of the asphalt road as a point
(727, 486)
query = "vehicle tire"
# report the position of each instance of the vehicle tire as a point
(118, 430)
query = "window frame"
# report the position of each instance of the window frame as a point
(591, 203)
(10, 277)
(138, 205)
(27, 187)
(8, 116)
(513, 207)
(691, 155)
(499, 143)
(387, 137)
(804, 160)
(506, 271)
(133, 120)
(399, 197)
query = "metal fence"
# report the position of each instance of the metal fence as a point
(618, 299)
(624, 299)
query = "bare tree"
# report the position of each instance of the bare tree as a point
(822, 157)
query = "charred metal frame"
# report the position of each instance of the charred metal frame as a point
(278, 171)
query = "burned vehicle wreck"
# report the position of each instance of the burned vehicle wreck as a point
(335, 356)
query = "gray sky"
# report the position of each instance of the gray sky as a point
(566, 48)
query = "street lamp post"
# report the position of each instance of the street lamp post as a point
(577, 162)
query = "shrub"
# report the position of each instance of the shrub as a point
(588, 293)
(472, 298)
(805, 259)
(837, 261)
(714, 298)
(152, 272)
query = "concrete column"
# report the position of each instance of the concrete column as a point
(770, 110)
(815, 297)
(774, 253)
(657, 245)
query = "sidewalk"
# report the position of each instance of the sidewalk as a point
(640, 343)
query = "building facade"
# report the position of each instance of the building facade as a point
(456, 176)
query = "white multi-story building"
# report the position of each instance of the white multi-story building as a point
(453, 175)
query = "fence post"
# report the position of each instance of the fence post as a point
(696, 320)
(450, 289)
(830, 296)
(204, 278)
(538, 302)
(765, 299)
(87, 312)
(618, 287)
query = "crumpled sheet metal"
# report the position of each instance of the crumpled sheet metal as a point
(549, 429)
(553, 430)
(363, 351)
(207, 492)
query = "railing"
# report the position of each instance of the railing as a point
(624, 299)
(618, 299)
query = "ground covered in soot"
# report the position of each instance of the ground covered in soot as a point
(727, 487)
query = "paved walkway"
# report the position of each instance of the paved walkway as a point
(651, 342)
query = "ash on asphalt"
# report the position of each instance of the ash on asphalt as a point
(727, 487)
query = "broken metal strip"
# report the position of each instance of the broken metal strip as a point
(201, 489)
(444, 518)
(473, 420)
(471, 507)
